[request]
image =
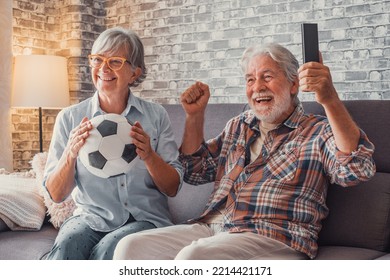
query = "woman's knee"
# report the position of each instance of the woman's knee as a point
(74, 241)
(69, 246)
(106, 247)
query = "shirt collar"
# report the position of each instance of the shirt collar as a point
(95, 105)
(132, 102)
(295, 118)
(292, 121)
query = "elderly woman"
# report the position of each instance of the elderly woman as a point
(108, 209)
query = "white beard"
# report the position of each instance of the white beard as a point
(275, 111)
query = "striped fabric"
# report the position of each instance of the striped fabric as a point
(282, 193)
(21, 205)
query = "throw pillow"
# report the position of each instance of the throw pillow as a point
(58, 212)
(21, 206)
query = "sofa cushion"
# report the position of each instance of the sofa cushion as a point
(359, 216)
(190, 202)
(347, 253)
(27, 245)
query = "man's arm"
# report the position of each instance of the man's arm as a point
(194, 101)
(315, 77)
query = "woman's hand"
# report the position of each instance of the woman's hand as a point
(77, 137)
(142, 141)
(164, 176)
(60, 182)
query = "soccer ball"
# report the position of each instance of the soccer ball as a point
(108, 151)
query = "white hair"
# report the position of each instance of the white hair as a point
(283, 57)
(113, 39)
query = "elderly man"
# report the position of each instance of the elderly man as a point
(271, 166)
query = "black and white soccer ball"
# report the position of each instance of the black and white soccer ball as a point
(108, 151)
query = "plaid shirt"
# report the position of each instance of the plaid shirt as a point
(282, 193)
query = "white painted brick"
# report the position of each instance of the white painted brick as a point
(232, 81)
(362, 54)
(215, 73)
(337, 76)
(375, 76)
(202, 46)
(217, 35)
(381, 31)
(338, 34)
(376, 52)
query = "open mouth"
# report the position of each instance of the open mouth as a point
(263, 99)
(107, 79)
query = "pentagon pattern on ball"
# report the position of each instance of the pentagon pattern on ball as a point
(129, 152)
(108, 150)
(107, 128)
(97, 160)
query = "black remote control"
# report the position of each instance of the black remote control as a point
(310, 42)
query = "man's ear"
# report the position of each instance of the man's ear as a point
(294, 86)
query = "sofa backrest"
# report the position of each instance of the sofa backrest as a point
(360, 216)
(190, 200)
(216, 117)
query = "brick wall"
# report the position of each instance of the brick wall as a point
(55, 27)
(25, 134)
(36, 26)
(189, 40)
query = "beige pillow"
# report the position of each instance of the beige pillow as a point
(58, 212)
(21, 205)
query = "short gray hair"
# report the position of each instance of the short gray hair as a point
(113, 39)
(285, 59)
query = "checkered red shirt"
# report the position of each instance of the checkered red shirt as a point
(282, 193)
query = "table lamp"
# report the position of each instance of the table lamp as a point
(40, 81)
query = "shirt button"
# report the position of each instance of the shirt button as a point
(125, 203)
(122, 185)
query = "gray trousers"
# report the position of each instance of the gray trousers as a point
(77, 241)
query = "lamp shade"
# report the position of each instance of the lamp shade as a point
(40, 81)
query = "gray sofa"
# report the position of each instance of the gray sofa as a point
(358, 226)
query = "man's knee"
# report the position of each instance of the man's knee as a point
(129, 247)
(195, 251)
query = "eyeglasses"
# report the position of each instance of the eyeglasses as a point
(115, 63)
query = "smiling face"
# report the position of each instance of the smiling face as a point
(270, 94)
(113, 83)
